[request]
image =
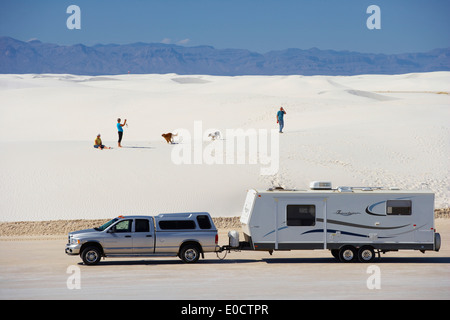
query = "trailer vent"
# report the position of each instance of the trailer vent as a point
(320, 185)
(281, 189)
(345, 189)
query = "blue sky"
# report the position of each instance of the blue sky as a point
(257, 25)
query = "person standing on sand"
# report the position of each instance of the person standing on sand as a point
(120, 131)
(280, 118)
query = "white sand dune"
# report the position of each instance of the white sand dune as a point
(370, 130)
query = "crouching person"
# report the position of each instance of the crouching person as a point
(98, 143)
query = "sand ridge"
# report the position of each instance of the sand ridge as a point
(63, 227)
(37, 229)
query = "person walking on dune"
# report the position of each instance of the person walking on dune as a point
(280, 118)
(120, 131)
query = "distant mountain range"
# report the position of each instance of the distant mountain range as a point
(37, 57)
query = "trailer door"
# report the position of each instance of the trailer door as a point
(301, 224)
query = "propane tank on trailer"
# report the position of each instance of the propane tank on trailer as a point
(233, 237)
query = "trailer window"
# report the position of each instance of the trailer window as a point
(301, 215)
(203, 222)
(176, 224)
(398, 207)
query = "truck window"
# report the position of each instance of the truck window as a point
(398, 207)
(301, 215)
(176, 224)
(142, 225)
(123, 226)
(106, 225)
(203, 222)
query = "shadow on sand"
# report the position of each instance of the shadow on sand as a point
(321, 260)
(169, 261)
(417, 260)
(136, 147)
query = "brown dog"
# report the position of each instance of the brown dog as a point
(169, 137)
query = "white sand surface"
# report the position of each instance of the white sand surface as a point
(371, 130)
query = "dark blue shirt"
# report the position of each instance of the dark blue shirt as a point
(280, 115)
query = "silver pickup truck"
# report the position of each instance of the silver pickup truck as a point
(186, 235)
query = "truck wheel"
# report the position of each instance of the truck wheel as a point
(190, 253)
(366, 254)
(437, 241)
(347, 254)
(91, 256)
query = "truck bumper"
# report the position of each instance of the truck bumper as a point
(73, 249)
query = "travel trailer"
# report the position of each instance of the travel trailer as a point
(354, 223)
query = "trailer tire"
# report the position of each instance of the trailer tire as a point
(366, 254)
(190, 253)
(347, 254)
(335, 254)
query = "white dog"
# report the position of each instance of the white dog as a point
(214, 135)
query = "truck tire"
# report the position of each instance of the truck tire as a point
(91, 255)
(190, 253)
(437, 241)
(366, 254)
(347, 254)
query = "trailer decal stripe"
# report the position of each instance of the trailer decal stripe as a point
(342, 233)
(343, 224)
(334, 231)
(360, 225)
(274, 231)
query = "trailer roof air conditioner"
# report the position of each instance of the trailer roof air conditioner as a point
(320, 185)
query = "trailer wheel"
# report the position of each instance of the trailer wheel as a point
(366, 254)
(335, 253)
(347, 254)
(190, 253)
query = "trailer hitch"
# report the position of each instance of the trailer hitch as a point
(243, 245)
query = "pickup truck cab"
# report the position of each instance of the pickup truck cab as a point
(186, 235)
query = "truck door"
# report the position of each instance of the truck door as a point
(300, 224)
(118, 239)
(143, 237)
